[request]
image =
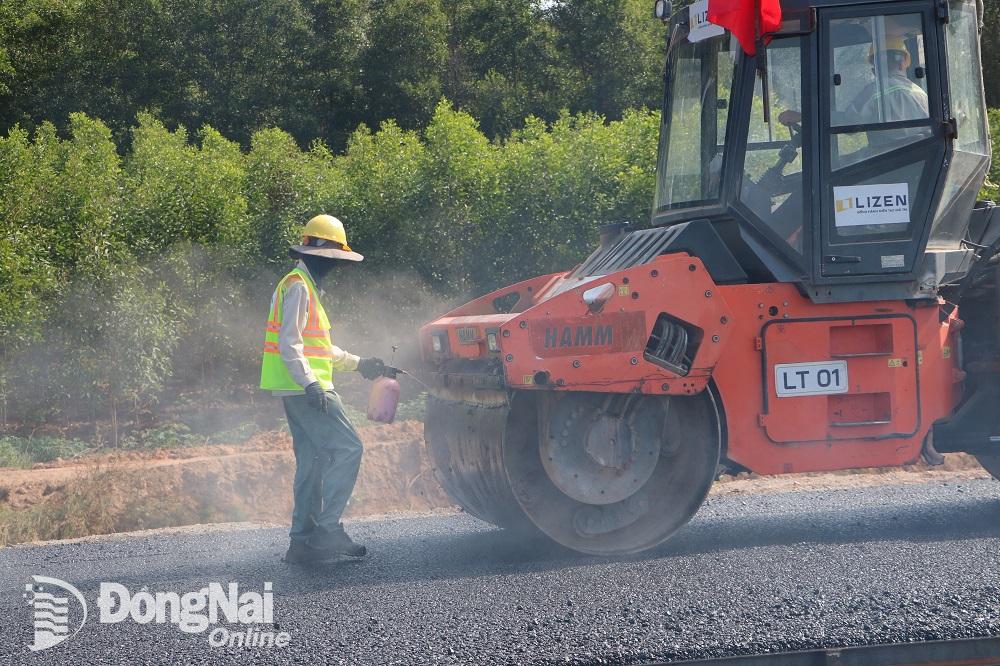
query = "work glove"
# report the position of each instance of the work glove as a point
(371, 368)
(318, 399)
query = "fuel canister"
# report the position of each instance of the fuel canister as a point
(384, 398)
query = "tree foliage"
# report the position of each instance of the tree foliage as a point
(127, 274)
(319, 68)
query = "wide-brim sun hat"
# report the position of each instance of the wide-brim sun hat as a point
(327, 249)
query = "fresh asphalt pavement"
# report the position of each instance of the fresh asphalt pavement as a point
(750, 574)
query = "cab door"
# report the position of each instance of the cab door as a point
(881, 136)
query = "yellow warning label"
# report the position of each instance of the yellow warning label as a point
(895, 363)
(946, 352)
(624, 290)
(528, 379)
(920, 357)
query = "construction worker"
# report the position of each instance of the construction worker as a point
(298, 364)
(892, 96)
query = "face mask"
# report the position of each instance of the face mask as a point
(318, 267)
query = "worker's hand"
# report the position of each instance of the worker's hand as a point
(318, 399)
(371, 368)
(788, 118)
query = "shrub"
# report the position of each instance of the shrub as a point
(992, 188)
(23, 451)
(11, 455)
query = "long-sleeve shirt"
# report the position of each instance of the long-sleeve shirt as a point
(294, 315)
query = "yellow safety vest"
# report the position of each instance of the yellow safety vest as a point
(316, 342)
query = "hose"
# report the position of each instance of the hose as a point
(981, 11)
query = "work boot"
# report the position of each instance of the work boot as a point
(336, 541)
(300, 552)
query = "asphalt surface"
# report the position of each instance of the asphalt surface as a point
(768, 572)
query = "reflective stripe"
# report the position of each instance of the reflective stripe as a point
(275, 327)
(311, 352)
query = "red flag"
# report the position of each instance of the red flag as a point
(741, 18)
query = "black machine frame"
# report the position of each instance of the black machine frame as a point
(825, 270)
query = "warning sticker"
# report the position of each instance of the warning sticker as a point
(893, 261)
(699, 27)
(858, 205)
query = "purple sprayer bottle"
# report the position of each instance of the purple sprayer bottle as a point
(384, 398)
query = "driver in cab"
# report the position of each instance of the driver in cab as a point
(891, 97)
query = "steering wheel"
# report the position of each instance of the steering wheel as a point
(772, 180)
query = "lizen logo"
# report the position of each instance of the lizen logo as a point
(50, 603)
(860, 205)
(700, 27)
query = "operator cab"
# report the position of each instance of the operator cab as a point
(849, 153)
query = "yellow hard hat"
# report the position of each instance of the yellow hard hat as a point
(892, 44)
(324, 236)
(327, 227)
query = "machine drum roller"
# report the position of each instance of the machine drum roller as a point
(604, 474)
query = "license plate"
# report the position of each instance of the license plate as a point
(798, 379)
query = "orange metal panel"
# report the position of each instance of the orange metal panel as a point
(876, 366)
(626, 321)
(802, 426)
(898, 356)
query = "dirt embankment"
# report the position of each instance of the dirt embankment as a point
(252, 482)
(169, 487)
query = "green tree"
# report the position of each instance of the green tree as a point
(113, 338)
(284, 187)
(404, 61)
(180, 191)
(991, 53)
(612, 52)
(502, 62)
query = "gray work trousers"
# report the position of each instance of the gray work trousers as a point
(327, 459)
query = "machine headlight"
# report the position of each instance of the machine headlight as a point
(596, 297)
(493, 340)
(439, 342)
(662, 10)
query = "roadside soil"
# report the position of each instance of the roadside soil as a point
(122, 491)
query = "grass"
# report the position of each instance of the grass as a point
(109, 500)
(25, 451)
(84, 508)
(168, 435)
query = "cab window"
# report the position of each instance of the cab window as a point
(879, 79)
(692, 140)
(772, 186)
(879, 111)
(972, 147)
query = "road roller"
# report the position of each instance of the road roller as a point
(815, 289)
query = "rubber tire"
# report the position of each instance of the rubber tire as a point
(991, 463)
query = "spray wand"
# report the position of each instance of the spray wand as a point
(384, 397)
(392, 368)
